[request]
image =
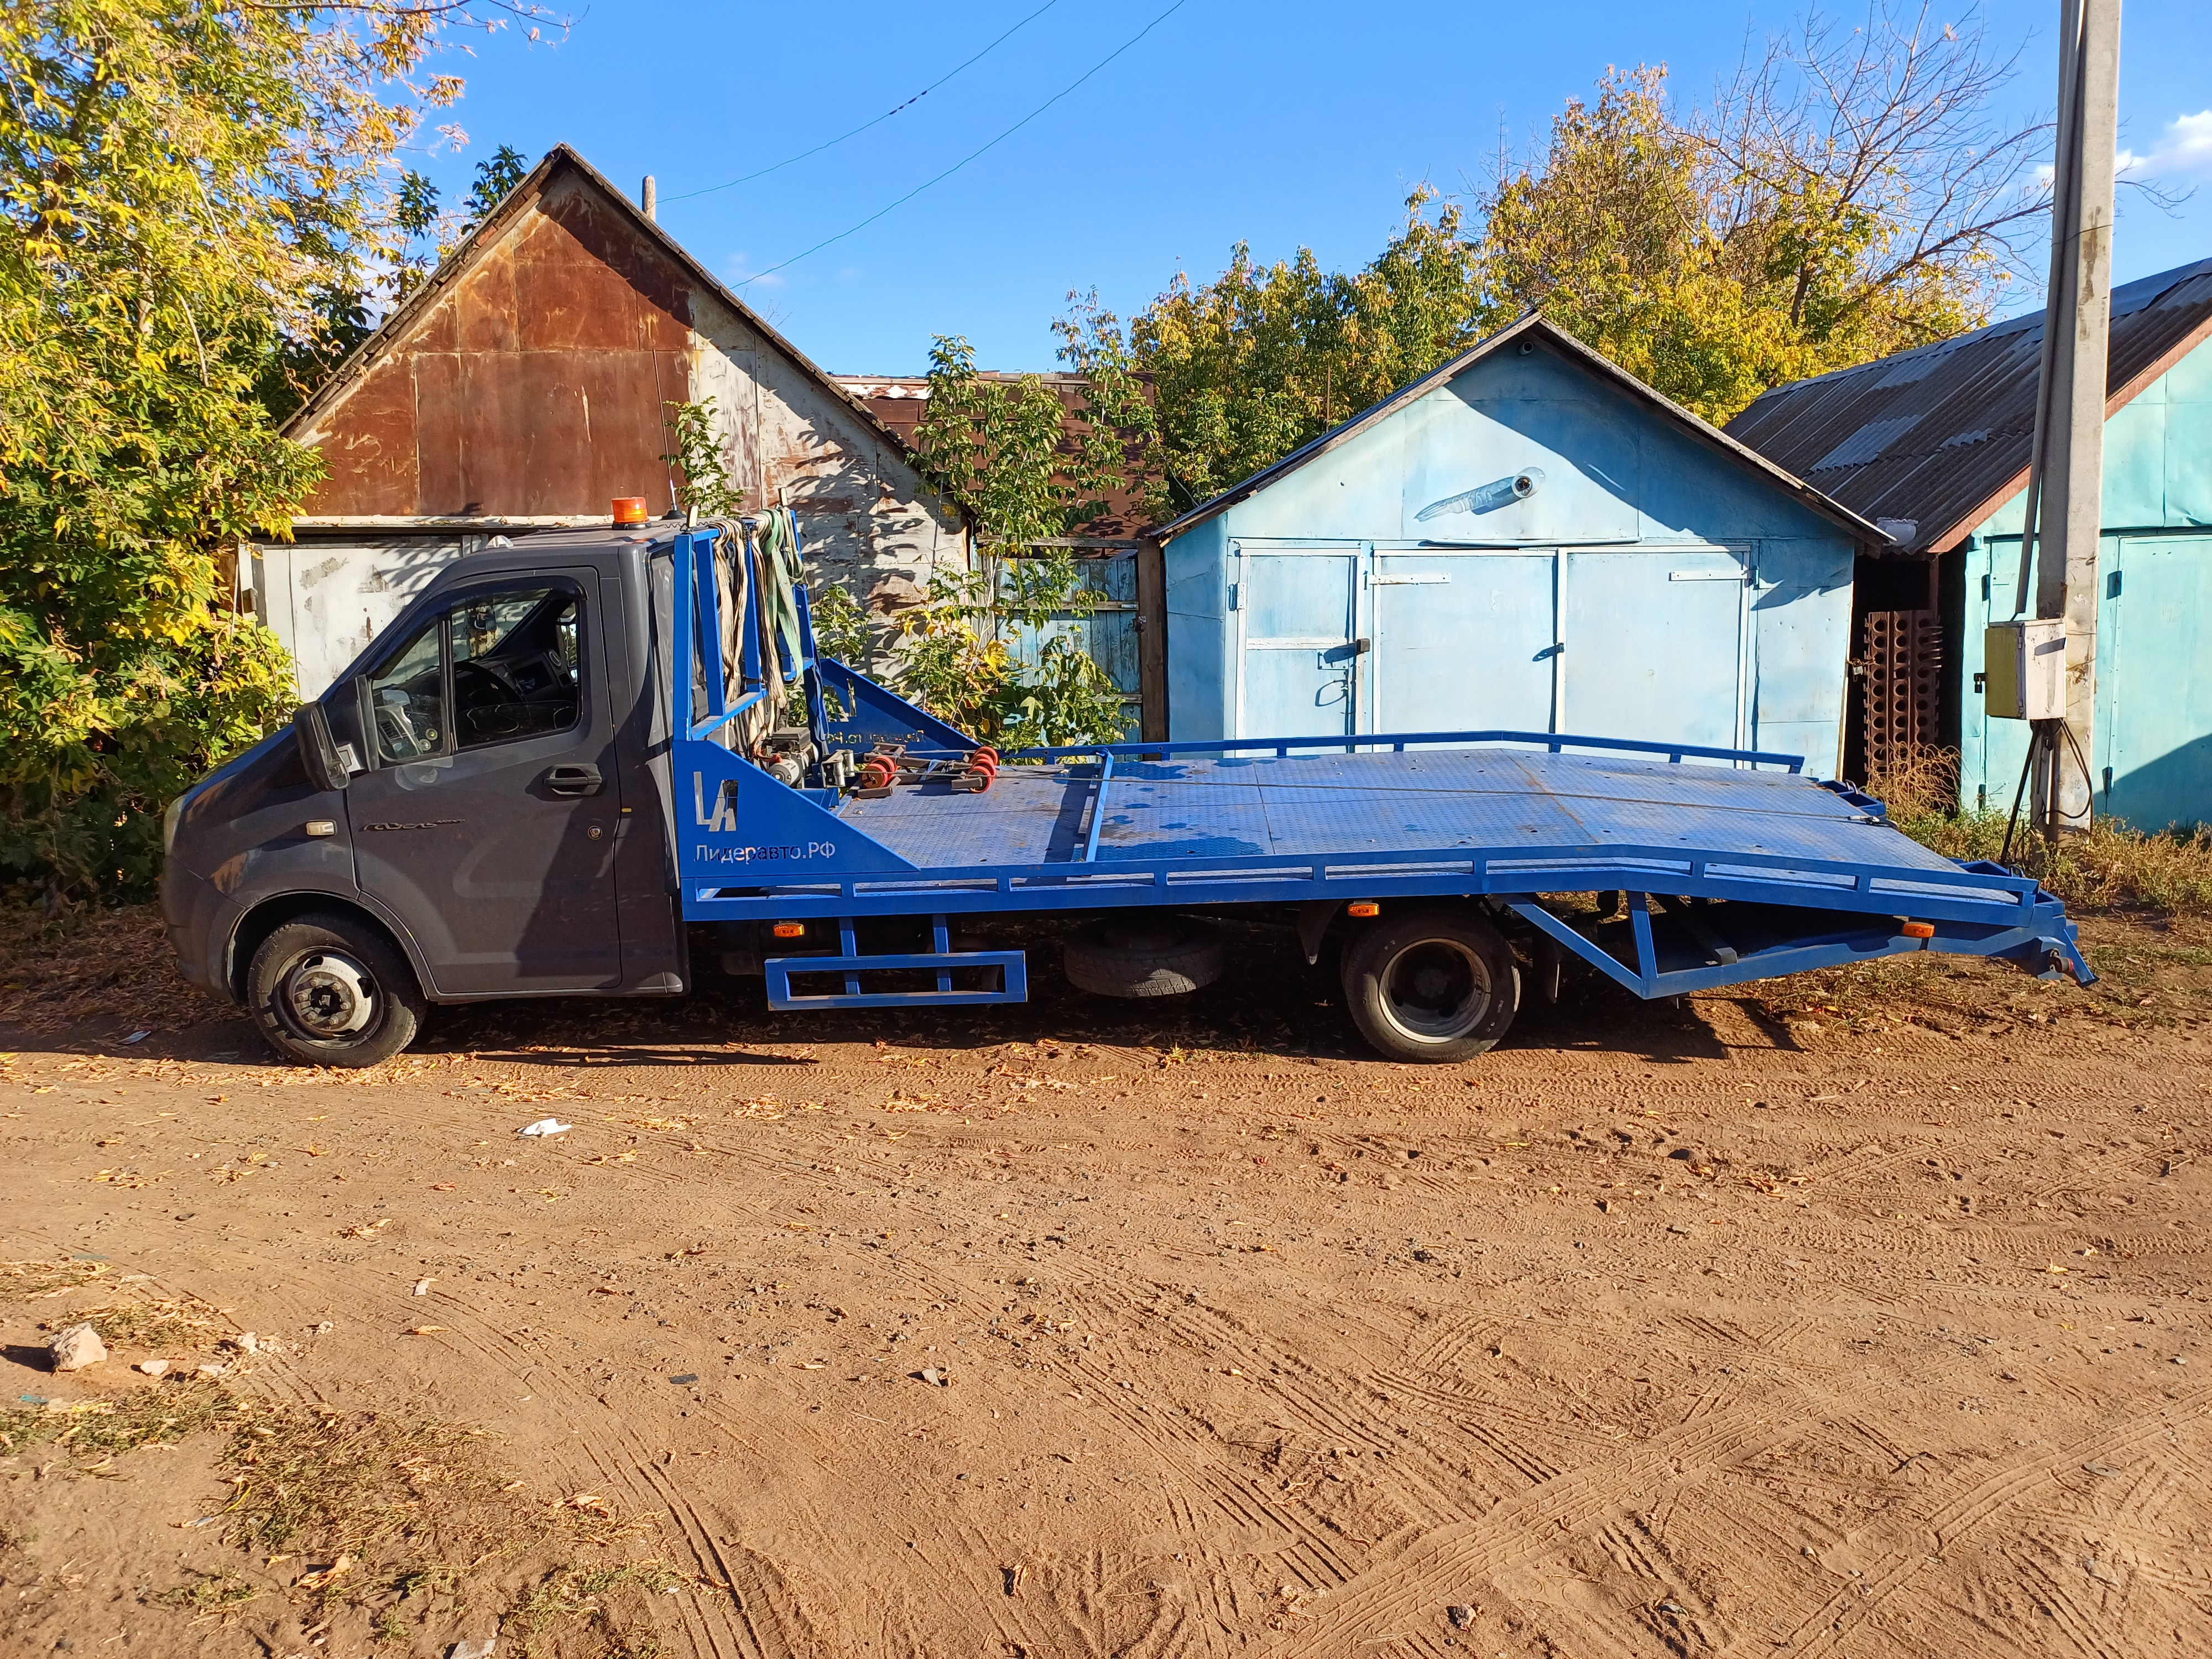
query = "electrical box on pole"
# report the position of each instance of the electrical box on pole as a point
(2027, 670)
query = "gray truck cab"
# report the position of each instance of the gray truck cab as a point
(469, 812)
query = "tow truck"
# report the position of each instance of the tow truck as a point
(576, 764)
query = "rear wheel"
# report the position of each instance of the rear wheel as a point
(1431, 985)
(330, 990)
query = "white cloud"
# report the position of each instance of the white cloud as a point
(737, 270)
(2184, 149)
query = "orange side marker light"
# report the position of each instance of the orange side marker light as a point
(1918, 930)
(1363, 907)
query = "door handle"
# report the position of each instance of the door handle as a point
(574, 780)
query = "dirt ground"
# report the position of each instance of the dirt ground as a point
(1863, 1315)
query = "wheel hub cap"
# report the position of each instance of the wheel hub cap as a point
(1435, 991)
(331, 995)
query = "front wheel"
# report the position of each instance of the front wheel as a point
(330, 990)
(1431, 985)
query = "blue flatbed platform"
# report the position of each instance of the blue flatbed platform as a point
(1733, 865)
(1508, 803)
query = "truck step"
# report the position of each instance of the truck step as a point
(1003, 975)
(1009, 967)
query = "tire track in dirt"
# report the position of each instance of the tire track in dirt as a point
(1311, 1394)
(1518, 1531)
(614, 1457)
(1193, 1453)
(854, 1543)
(1893, 1553)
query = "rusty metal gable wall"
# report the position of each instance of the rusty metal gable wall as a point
(531, 386)
(1936, 435)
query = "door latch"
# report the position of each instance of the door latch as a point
(574, 780)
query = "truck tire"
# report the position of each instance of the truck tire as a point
(1144, 956)
(328, 989)
(1431, 985)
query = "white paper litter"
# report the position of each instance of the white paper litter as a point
(545, 1125)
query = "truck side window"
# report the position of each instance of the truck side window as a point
(517, 657)
(407, 701)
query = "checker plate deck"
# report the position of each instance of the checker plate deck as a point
(1497, 802)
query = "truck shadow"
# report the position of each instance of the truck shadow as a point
(1270, 1003)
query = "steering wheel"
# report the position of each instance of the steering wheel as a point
(492, 707)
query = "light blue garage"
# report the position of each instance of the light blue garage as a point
(1527, 538)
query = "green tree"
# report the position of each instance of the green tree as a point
(188, 193)
(496, 175)
(414, 221)
(708, 489)
(1249, 366)
(1001, 447)
(1852, 193)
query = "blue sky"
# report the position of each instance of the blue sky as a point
(1290, 124)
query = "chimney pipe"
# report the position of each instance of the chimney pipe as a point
(651, 199)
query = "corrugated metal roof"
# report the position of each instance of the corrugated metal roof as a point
(520, 198)
(1532, 323)
(1940, 437)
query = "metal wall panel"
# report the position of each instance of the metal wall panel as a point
(1655, 646)
(2153, 730)
(2155, 687)
(1297, 613)
(328, 599)
(530, 380)
(1464, 639)
(1655, 643)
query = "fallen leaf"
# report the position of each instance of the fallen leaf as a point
(316, 1580)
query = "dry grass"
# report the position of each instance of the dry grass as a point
(403, 1520)
(22, 1281)
(173, 1323)
(398, 1516)
(93, 1432)
(2109, 867)
(96, 963)
(573, 1593)
(209, 1592)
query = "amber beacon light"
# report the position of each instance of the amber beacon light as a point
(629, 509)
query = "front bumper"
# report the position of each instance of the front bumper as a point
(200, 920)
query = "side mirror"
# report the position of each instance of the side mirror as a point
(311, 728)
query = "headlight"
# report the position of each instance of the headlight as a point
(169, 823)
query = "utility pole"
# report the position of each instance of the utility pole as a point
(2065, 492)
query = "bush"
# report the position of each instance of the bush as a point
(2109, 866)
(192, 201)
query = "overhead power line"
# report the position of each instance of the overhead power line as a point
(972, 154)
(833, 143)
